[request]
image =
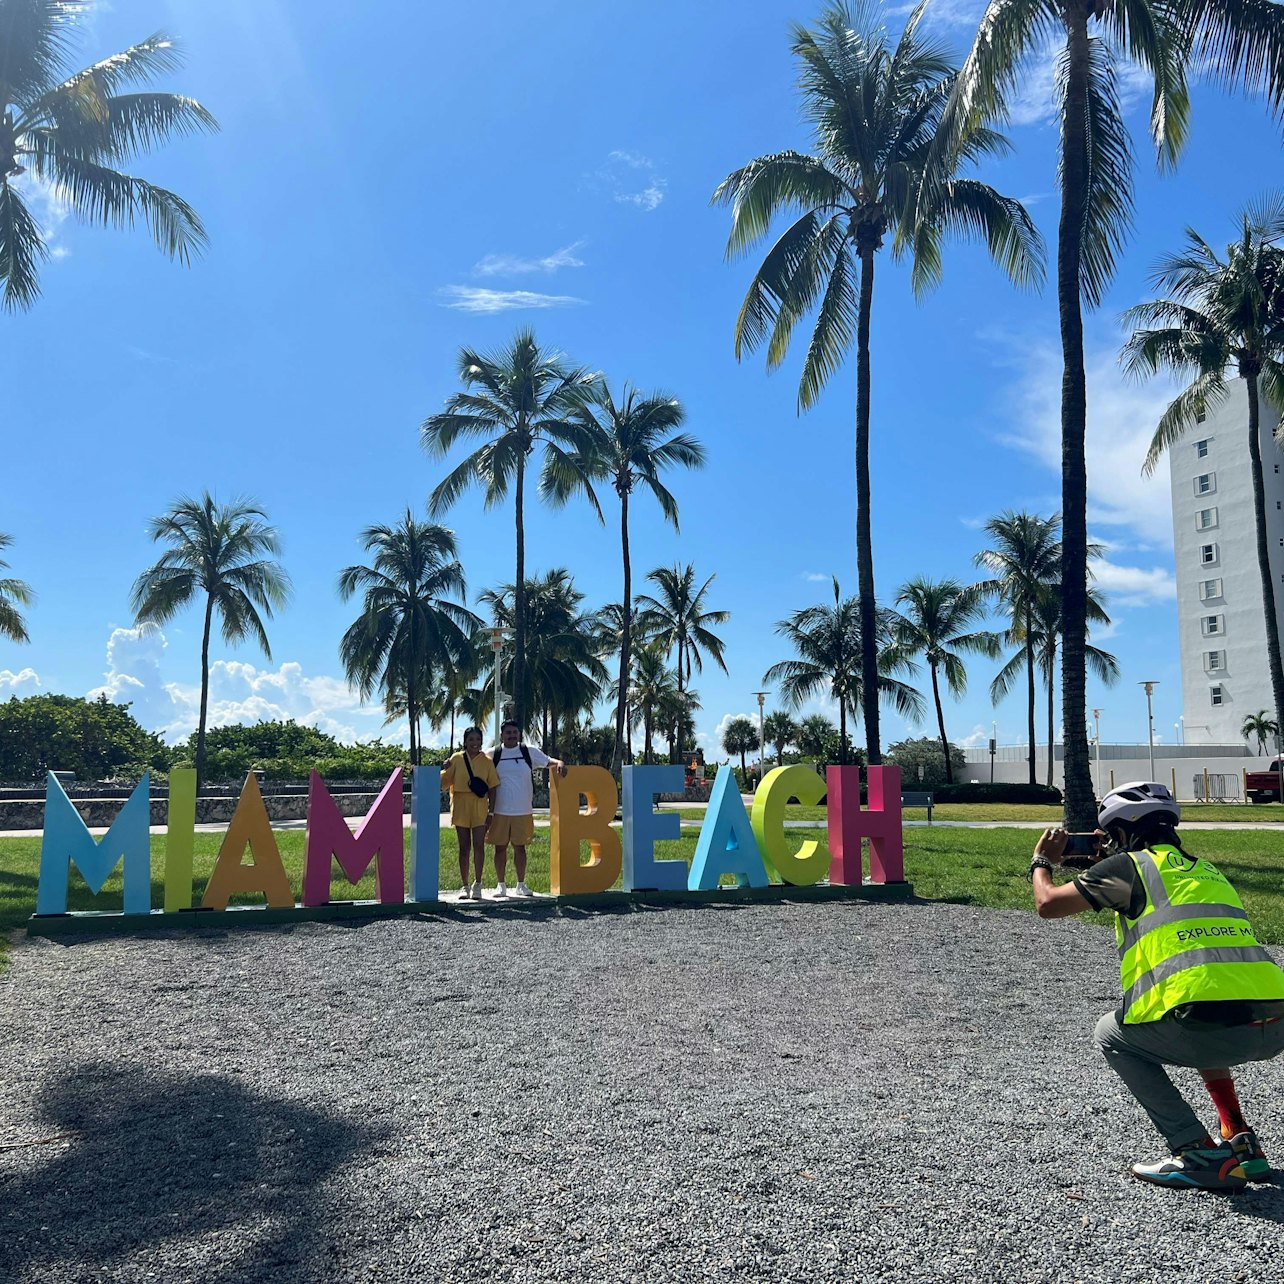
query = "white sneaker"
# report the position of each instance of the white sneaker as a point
(465, 893)
(477, 892)
(501, 889)
(523, 890)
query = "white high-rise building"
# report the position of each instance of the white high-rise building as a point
(1221, 625)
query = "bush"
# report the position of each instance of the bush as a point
(1010, 792)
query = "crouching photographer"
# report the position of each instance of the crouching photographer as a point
(1198, 989)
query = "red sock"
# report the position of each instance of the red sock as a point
(1225, 1099)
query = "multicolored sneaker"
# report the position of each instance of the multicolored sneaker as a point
(1197, 1167)
(1252, 1158)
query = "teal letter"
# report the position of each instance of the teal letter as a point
(644, 827)
(425, 833)
(726, 844)
(67, 842)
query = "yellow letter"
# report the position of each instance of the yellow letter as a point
(250, 828)
(811, 860)
(569, 827)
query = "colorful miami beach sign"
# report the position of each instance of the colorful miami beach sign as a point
(587, 854)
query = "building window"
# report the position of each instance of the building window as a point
(1205, 519)
(1208, 554)
(1199, 418)
(1212, 625)
(1201, 449)
(1215, 694)
(1209, 589)
(1205, 483)
(1213, 661)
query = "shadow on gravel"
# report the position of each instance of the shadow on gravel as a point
(197, 1176)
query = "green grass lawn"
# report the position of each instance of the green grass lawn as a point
(1212, 813)
(967, 866)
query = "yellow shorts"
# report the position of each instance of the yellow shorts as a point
(517, 830)
(467, 811)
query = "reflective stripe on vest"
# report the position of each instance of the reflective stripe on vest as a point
(1164, 964)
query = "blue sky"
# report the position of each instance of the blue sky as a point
(382, 193)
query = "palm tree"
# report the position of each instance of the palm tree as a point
(814, 732)
(1227, 38)
(875, 108)
(70, 131)
(1217, 313)
(780, 730)
(676, 617)
(938, 623)
(675, 716)
(516, 399)
(13, 594)
(227, 553)
(740, 736)
(828, 642)
(410, 627)
(1045, 626)
(1025, 559)
(1260, 726)
(564, 676)
(652, 687)
(627, 443)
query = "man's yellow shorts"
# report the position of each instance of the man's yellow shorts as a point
(515, 830)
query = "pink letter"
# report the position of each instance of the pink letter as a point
(378, 838)
(881, 824)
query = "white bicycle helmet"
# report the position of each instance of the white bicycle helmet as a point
(1136, 800)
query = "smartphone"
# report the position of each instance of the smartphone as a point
(1082, 844)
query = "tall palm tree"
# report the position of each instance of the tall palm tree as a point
(675, 616)
(227, 552)
(13, 594)
(410, 623)
(875, 108)
(938, 623)
(780, 730)
(516, 399)
(564, 676)
(627, 443)
(1045, 626)
(1217, 313)
(651, 687)
(814, 733)
(1261, 727)
(70, 131)
(1024, 560)
(1235, 42)
(740, 736)
(828, 642)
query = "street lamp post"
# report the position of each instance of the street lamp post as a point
(994, 747)
(1096, 740)
(497, 646)
(762, 738)
(1150, 723)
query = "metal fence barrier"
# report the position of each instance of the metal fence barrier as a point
(1221, 787)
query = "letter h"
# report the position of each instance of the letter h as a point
(880, 822)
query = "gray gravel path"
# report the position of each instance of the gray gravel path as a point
(794, 1091)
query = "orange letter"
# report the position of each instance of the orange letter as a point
(570, 827)
(250, 828)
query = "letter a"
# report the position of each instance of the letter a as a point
(726, 844)
(265, 873)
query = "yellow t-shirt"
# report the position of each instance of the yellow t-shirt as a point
(456, 773)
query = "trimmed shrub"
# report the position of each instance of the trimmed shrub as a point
(1000, 792)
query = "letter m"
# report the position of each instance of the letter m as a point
(379, 838)
(68, 842)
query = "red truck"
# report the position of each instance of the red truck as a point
(1264, 786)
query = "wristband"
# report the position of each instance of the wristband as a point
(1040, 862)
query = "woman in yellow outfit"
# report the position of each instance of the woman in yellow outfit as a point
(469, 807)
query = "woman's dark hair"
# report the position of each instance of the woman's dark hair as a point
(480, 733)
(1149, 832)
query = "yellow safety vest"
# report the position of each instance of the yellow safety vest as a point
(1192, 943)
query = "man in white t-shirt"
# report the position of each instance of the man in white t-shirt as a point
(512, 818)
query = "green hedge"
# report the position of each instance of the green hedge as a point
(997, 793)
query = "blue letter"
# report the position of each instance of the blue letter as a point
(726, 844)
(644, 827)
(425, 833)
(67, 841)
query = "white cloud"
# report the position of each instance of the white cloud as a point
(25, 682)
(817, 577)
(512, 265)
(975, 739)
(467, 298)
(1121, 420)
(630, 179)
(1133, 585)
(49, 207)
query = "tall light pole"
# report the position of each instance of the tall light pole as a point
(497, 646)
(1096, 740)
(762, 737)
(1150, 723)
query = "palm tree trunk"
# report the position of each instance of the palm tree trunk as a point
(1263, 548)
(647, 719)
(205, 691)
(864, 549)
(1029, 692)
(518, 670)
(1050, 677)
(940, 722)
(626, 638)
(842, 731)
(1081, 812)
(452, 725)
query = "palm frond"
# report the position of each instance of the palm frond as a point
(22, 249)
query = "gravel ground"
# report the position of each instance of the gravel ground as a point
(791, 1091)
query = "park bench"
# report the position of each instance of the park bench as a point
(918, 800)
